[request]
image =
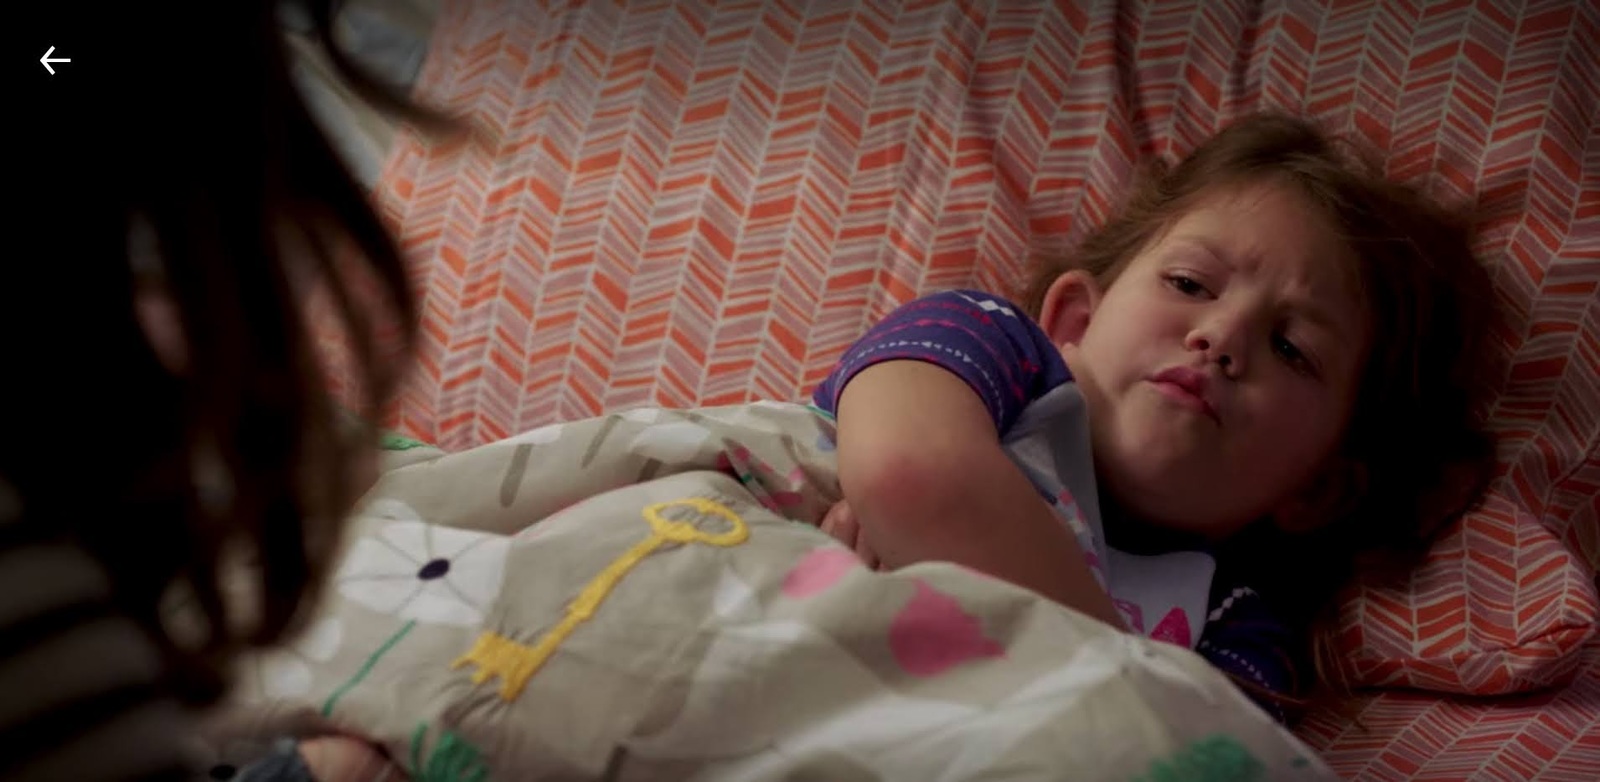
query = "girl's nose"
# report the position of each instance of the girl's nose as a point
(1222, 343)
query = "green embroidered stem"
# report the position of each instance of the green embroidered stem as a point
(453, 759)
(416, 748)
(366, 667)
(1212, 759)
(392, 441)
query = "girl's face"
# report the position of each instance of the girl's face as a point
(1221, 368)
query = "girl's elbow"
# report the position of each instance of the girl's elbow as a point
(899, 488)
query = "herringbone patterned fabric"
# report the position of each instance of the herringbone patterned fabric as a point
(690, 203)
(1552, 736)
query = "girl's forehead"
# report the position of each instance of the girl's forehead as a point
(1270, 227)
(1271, 230)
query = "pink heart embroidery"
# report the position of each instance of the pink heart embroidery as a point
(933, 633)
(819, 570)
(1173, 628)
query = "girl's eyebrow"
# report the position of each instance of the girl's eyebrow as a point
(1315, 312)
(1209, 248)
(1308, 308)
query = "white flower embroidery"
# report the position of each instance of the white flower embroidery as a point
(415, 570)
(286, 673)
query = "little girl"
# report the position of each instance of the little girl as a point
(1269, 347)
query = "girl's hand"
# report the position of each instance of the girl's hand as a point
(930, 482)
(841, 524)
(347, 759)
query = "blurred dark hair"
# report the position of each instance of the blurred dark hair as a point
(176, 169)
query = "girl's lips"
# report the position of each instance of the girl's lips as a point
(1186, 398)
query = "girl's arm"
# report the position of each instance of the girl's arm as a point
(921, 464)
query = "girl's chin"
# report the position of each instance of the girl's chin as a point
(1166, 489)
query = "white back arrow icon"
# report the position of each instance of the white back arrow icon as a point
(47, 59)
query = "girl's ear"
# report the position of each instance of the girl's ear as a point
(1334, 492)
(1068, 305)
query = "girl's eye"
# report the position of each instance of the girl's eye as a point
(1292, 355)
(1186, 285)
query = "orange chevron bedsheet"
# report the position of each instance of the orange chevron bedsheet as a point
(682, 204)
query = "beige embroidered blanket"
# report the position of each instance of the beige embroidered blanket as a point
(644, 596)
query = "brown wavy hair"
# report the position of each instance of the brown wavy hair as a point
(184, 175)
(1418, 431)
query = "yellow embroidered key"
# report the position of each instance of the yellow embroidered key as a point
(515, 663)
